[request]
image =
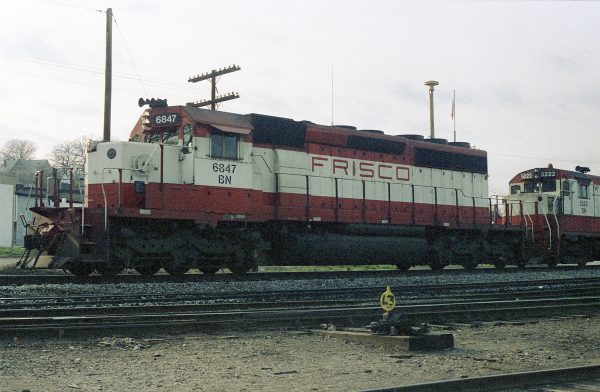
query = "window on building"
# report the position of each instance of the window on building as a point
(223, 145)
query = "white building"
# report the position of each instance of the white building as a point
(17, 196)
(7, 209)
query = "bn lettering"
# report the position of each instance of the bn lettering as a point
(223, 179)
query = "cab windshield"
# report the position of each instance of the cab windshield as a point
(170, 136)
(532, 186)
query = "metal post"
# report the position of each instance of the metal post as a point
(41, 188)
(37, 176)
(56, 190)
(71, 188)
(431, 84)
(213, 92)
(108, 76)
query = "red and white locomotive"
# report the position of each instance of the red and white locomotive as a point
(560, 212)
(196, 188)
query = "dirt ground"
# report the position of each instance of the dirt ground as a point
(276, 361)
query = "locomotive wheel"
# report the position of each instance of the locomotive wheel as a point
(499, 264)
(148, 269)
(239, 269)
(435, 260)
(244, 261)
(209, 270)
(81, 269)
(470, 265)
(551, 261)
(175, 268)
(111, 270)
(436, 266)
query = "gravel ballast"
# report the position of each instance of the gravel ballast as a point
(235, 286)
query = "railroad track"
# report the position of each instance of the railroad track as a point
(57, 278)
(299, 313)
(565, 379)
(489, 290)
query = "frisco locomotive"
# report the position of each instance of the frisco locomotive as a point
(196, 188)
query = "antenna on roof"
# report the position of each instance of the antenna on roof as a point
(331, 94)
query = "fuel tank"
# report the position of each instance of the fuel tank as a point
(354, 244)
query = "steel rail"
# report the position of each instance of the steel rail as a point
(411, 304)
(477, 287)
(296, 316)
(62, 306)
(503, 381)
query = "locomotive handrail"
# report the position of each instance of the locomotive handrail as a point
(556, 218)
(150, 157)
(252, 155)
(104, 191)
(475, 200)
(549, 228)
(527, 216)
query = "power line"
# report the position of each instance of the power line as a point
(130, 56)
(539, 158)
(79, 68)
(73, 5)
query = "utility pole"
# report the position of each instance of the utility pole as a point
(108, 75)
(213, 92)
(431, 84)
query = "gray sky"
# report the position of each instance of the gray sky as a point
(526, 74)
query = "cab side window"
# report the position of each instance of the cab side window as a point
(188, 133)
(583, 191)
(223, 145)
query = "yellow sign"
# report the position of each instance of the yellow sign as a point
(387, 300)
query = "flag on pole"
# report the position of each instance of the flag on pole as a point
(453, 103)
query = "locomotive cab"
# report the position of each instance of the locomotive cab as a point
(560, 210)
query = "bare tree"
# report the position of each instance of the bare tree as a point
(17, 149)
(70, 154)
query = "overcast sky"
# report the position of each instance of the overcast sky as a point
(526, 74)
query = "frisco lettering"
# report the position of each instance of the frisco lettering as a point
(349, 167)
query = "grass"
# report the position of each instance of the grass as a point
(7, 251)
